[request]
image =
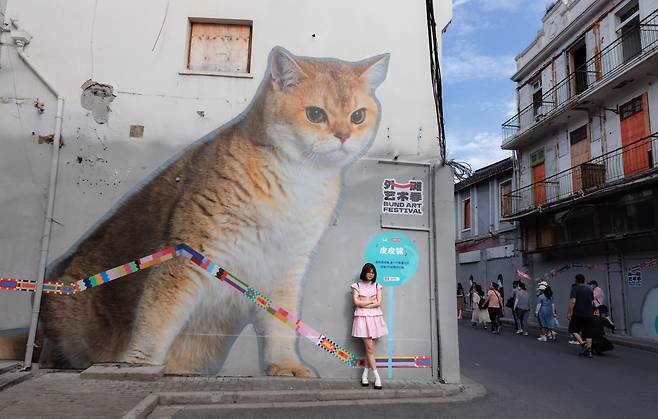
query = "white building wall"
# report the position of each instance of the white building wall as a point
(139, 48)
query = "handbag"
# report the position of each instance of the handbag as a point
(510, 303)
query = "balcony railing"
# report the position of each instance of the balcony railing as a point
(634, 42)
(631, 160)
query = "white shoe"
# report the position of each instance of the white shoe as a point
(364, 378)
(525, 333)
(542, 338)
(378, 381)
(518, 332)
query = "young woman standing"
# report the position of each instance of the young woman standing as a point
(369, 321)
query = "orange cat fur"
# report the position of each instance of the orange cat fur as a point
(254, 196)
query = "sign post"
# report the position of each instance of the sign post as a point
(396, 259)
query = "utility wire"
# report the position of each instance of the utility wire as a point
(461, 170)
(435, 70)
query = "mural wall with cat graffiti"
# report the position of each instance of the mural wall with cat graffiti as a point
(282, 175)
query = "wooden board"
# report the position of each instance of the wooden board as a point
(220, 47)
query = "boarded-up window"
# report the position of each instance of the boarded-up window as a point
(467, 213)
(220, 47)
(580, 153)
(506, 198)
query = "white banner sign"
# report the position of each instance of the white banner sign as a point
(402, 198)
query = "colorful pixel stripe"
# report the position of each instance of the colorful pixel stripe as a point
(252, 295)
(400, 362)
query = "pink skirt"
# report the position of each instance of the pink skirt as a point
(369, 327)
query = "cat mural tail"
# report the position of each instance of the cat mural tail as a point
(254, 195)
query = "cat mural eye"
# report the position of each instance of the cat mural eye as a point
(358, 116)
(316, 115)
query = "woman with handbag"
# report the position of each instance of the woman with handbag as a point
(480, 316)
(495, 307)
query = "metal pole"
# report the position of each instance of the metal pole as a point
(47, 225)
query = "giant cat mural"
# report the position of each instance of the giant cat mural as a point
(273, 175)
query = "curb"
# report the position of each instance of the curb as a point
(120, 372)
(10, 379)
(6, 366)
(151, 402)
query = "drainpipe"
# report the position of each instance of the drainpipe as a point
(47, 225)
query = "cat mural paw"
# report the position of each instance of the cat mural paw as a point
(288, 369)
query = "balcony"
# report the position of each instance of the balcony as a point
(633, 162)
(633, 47)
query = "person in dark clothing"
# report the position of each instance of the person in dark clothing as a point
(599, 322)
(580, 315)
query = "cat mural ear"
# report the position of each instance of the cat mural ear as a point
(374, 69)
(284, 70)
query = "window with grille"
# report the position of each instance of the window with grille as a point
(630, 108)
(628, 29)
(537, 157)
(578, 135)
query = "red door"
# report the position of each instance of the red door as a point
(634, 116)
(538, 175)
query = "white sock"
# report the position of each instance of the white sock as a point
(378, 381)
(364, 376)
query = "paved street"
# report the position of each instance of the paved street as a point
(524, 378)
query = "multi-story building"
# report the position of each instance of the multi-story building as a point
(585, 138)
(486, 243)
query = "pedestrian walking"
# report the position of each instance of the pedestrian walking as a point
(597, 292)
(600, 321)
(545, 313)
(369, 321)
(521, 308)
(480, 316)
(461, 301)
(580, 315)
(495, 307)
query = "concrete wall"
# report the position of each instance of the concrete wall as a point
(143, 62)
(634, 307)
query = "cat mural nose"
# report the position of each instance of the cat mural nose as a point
(342, 136)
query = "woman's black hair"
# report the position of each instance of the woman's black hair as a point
(368, 267)
(478, 289)
(459, 287)
(521, 285)
(548, 292)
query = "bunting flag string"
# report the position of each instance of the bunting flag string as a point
(557, 271)
(253, 296)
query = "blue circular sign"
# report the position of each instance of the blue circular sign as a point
(395, 257)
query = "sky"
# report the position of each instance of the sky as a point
(479, 47)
